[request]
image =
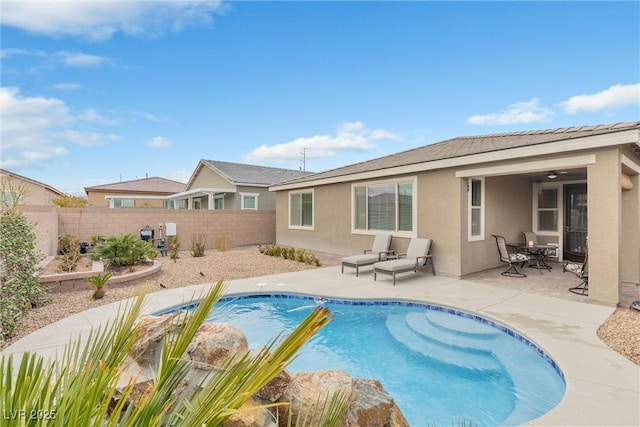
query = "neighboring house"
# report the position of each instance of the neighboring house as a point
(138, 193)
(31, 191)
(563, 184)
(232, 186)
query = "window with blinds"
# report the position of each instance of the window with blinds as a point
(301, 209)
(384, 206)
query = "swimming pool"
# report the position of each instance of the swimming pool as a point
(442, 366)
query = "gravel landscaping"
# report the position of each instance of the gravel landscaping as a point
(621, 331)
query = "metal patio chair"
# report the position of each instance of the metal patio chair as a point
(512, 258)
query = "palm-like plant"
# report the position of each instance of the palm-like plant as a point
(123, 250)
(99, 281)
(80, 388)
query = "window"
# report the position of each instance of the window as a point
(548, 209)
(476, 209)
(122, 203)
(301, 209)
(384, 206)
(249, 201)
(218, 202)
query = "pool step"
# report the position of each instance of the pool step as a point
(419, 323)
(460, 325)
(440, 351)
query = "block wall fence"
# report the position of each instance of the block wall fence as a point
(241, 228)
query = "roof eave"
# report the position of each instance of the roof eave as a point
(622, 137)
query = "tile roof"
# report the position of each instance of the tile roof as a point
(153, 185)
(238, 173)
(469, 145)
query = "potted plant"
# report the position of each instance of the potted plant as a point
(99, 282)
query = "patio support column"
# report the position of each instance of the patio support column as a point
(630, 251)
(604, 223)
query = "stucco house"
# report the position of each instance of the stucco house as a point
(36, 193)
(138, 193)
(562, 184)
(231, 186)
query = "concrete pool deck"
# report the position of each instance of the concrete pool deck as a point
(603, 387)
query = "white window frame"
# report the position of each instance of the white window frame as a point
(313, 210)
(247, 195)
(470, 208)
(413, 180)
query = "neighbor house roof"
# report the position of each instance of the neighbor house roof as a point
(252, 175)
(463, 147)
(153, 185)
(4, 172)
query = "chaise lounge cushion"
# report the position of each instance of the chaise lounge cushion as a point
(359, 260)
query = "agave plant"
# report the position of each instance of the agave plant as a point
(79, 388)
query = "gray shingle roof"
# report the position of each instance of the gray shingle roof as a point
(151, 185)
(469, 145)
(239, 173)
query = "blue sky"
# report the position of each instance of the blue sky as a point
(98, 92)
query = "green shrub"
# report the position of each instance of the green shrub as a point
(197, 245)
(19, 287)
(174, 247)
(126, 250)
(69, 250)
(300, 255)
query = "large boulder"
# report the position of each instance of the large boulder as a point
(373, 406)
(307, 389)
(272, 391)
(151, 332)
(250, 414)
(215, 344)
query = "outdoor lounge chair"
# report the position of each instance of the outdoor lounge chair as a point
(377, 252)
(512, 258)
(417, 257)
(581, 270)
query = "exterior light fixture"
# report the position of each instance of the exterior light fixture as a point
(552, 175)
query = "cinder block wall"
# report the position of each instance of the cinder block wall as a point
(241, 228)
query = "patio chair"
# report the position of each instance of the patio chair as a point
(377, 253)
(581, 270)
(510, 257)
(417, 257)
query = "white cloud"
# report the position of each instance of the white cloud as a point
(616, 96)
(99, 20)
(350, 136)
(90, 115)
(67, 86)
(9, 52)
(82, 60)
(35, 129)
(518, 113)
(159, 142)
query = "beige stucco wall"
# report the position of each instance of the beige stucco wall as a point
(97, 198)
(206, 178)
(630, 243)
(604, 221)
(34, 194)
(507, 213)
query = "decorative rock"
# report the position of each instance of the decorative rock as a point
(250, 414)
(307, 389)
(273, 390)
(373, 406)
(152, 330)
(215, 344)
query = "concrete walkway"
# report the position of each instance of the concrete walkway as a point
(603, 387)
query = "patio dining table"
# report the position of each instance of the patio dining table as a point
(539, 251)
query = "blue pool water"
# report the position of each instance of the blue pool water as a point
(441, 366)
